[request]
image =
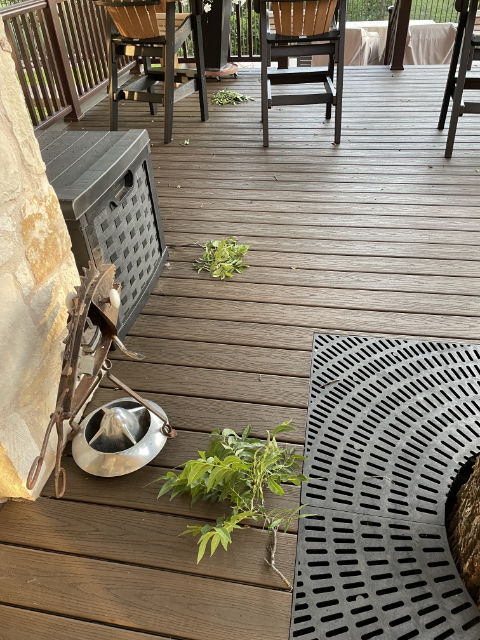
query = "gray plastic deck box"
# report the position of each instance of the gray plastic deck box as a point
(104, 182)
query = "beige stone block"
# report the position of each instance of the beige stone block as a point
(37, 272)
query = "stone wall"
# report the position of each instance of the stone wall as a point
(37, 272)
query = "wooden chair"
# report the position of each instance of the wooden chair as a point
(151, 29)
(465, 49)
(303, 28)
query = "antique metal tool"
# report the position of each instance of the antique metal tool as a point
(91, 330)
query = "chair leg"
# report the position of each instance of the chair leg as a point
(265, 114)
(339, 95)
(340, 50)
(265, 56)
(331, 69)
(112, 84)
(200, 62)
(460, 83)
(452, 72)
(169, 78)
(147, 66)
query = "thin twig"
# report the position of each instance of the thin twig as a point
(272, 548)
(325, 384)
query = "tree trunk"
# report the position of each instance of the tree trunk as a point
(464, 532)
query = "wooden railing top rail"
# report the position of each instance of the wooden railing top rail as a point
(21, 8)
(27, 6)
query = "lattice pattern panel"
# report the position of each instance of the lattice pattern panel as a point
(390, 424)
(127, 236)
(389, 435)
(362, 577)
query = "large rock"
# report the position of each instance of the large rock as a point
(37, 271)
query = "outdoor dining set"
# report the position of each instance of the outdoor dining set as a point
(153, 30)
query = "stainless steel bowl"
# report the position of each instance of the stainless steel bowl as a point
(118, 438)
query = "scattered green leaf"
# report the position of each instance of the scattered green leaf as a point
(227, 96)
(222, 258)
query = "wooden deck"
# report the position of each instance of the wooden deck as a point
(376, 236)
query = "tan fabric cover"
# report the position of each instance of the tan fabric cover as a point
(427, 43)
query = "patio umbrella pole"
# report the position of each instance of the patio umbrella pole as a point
(216, 39)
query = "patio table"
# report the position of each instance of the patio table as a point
(380, 27)
(428, 42)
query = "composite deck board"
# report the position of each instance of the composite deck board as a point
(145, 539)
(370, 264)
(369, 195)
(25, 624)
(132, 596)
(352, 219)
(402, 301)
(369, 234)
(237, 333)
(140, 492)
(344, 279)
(322, 206)
(256, 188)
(376, 236)
(352, 247)
(329, 163)
(220, 356)
(288, 391)
(318, 318)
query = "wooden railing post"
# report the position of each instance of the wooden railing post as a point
(401, 35)
(60, 53)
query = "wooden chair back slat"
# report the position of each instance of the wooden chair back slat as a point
(139, 25)
(325, 11)
(286, 17)
(151, 17)
(309, 18)
(139, 21)
(162, 20)
(282, 17)
(297, 22)
(276, 17)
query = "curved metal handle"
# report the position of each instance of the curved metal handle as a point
(60, 474)
(34, 472)
(131, 354)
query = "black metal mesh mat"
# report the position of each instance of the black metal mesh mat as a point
(390, 424)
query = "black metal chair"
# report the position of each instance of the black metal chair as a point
(151, 29)
(303, 28)
(465, 49)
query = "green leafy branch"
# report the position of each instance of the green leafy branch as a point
(222, 258)
(239, 469)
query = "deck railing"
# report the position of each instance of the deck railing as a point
(244, 33)
(60, 55)
(438, 10)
